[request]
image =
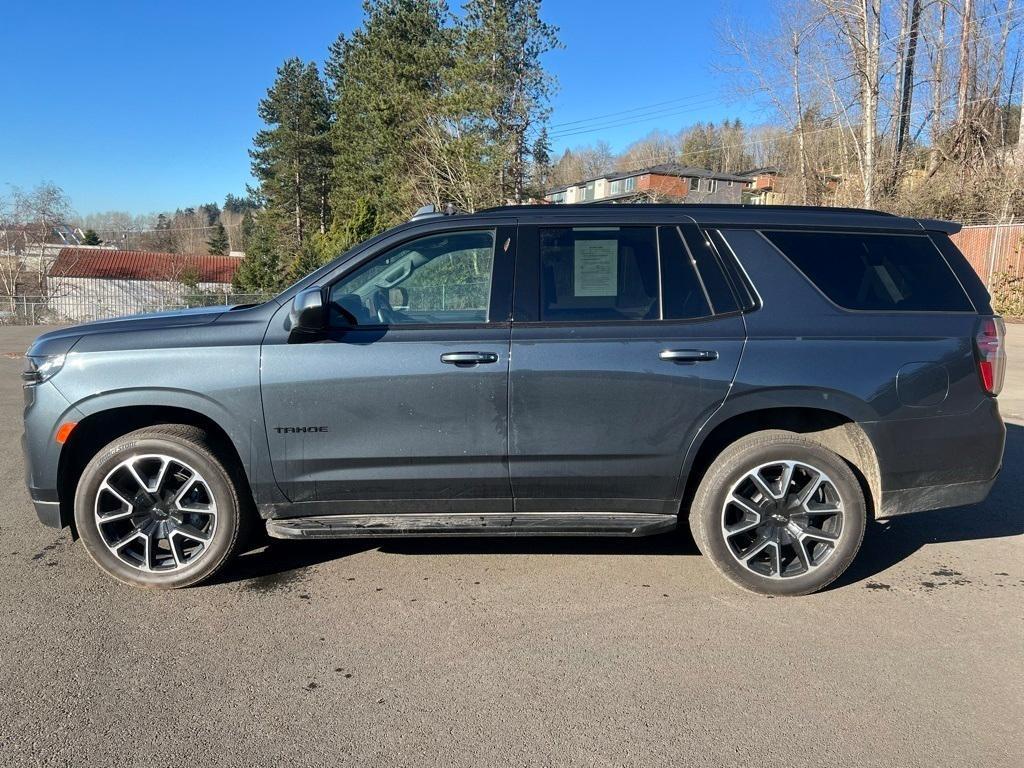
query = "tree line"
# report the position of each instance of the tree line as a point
(419, 104)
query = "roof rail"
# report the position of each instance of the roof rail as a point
(430, 210)
(552, 207)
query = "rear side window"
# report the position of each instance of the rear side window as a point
(683, 294)
(879, 272)
(598, 273)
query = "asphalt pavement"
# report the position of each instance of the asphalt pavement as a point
(549, 652)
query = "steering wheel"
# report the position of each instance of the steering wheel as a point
(381, 306)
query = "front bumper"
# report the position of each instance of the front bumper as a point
(45, 410)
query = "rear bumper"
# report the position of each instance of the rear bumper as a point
(936, 462)
(907, 500)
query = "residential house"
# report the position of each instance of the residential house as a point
(765, 186)
(668, 182)
(95, 283)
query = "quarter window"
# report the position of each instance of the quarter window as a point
(442, 278)
(880, 272)
(598, 273)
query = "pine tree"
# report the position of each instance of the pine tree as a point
(541, 154)
(504, 81)
(163, 237)
(218, 243)
(91, 238)
(291, 158)
(260, 270)
(385, 81)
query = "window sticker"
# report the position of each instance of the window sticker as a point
(596, 268)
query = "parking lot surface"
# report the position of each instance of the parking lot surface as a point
(517, 652)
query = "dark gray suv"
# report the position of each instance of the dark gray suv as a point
(773, 376)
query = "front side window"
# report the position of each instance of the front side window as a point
(443, 278)
(880, 272)
(598, 273)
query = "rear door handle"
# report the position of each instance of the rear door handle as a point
(468, 358)
(688, 355)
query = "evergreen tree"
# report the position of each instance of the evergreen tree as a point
(218, 243)
(385, 82)
(260, 270)
(291, 157)
(500, 75)
(163, 237)
(91, 238)
(541, 153)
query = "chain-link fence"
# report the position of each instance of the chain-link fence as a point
(84, 306)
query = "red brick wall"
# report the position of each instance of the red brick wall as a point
(663, 185)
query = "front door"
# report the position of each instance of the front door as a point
(621, 349)
(402, 406)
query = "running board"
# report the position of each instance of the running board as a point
(491, 524)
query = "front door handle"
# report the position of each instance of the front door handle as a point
(468, 358)
(688, 355)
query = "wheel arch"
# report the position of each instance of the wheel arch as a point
(101, 426)
(832, 429)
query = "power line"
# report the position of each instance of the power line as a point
(651, 111)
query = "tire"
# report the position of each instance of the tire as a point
(769, 541)
(156, 508)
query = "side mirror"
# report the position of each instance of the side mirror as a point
(308, 316)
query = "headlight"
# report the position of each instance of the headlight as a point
(39, 368)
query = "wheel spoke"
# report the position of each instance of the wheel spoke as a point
(113, 491)
(158, 484)
(174, 550)
(762, 486)
(750, 510)
(810, 532)
(124, 541)
(137, 477)
(191, 532)
(786, 479)
(802, 555)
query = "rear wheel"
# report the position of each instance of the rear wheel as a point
(779, 514)
(157, 508)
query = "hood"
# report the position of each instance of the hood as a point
(61, 340)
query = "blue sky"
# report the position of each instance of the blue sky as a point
(146, 106)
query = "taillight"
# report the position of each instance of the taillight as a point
(991, 351)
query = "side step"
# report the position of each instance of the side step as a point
(490, 524)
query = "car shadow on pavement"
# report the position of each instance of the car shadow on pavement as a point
(274, 557)
(886, 542)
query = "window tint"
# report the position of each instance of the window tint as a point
(727, 257)
(598, 273)
(875, 271)
(717, 287)
(682, 295)
(438, 279)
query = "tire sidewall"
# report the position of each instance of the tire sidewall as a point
(731, 468)
(213, 473)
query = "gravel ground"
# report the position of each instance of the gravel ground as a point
(536, 652)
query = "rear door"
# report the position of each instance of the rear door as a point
(625, 339)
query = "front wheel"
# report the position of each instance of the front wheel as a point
(156, 508)
(779, 514)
